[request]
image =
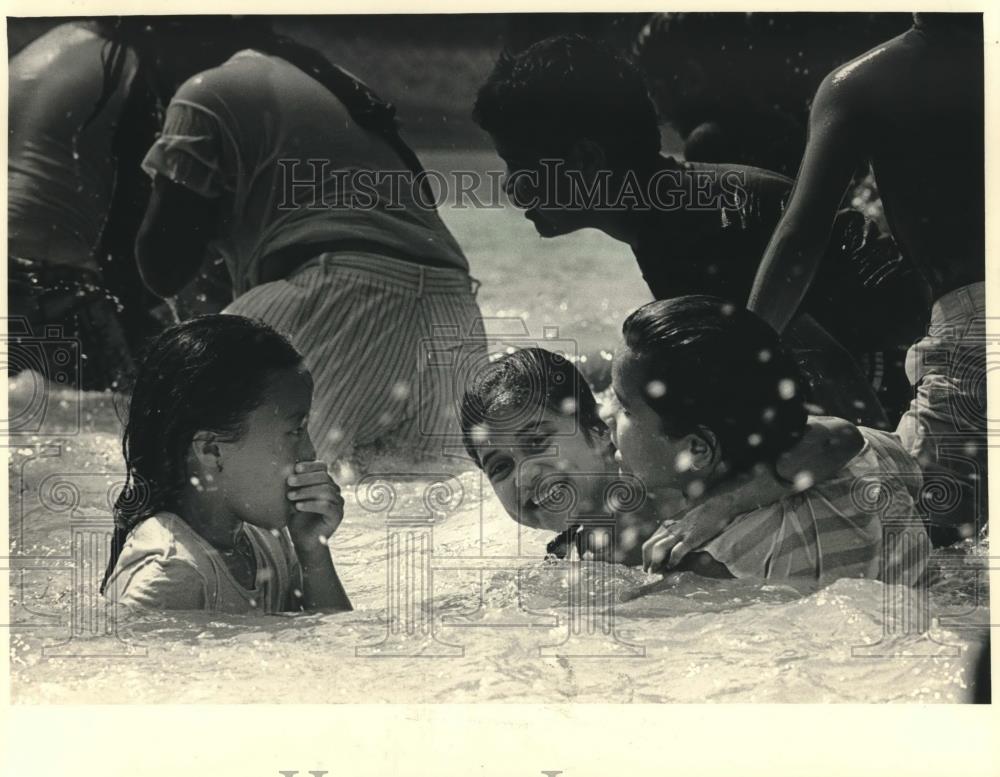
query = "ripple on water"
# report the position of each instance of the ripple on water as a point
(500, 616)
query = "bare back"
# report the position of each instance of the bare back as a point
(918, 110)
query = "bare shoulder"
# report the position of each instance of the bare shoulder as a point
(870, 77)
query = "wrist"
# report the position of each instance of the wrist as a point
(310, 543)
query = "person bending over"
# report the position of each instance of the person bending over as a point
(578, 132)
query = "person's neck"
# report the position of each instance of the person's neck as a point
(671, 503)
(630, 225)
(210, 518)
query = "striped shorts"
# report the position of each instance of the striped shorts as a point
(385, 341)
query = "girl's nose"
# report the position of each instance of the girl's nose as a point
(306, 451)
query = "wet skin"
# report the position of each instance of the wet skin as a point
(912, 107)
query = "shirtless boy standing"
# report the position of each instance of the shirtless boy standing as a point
(913, 108)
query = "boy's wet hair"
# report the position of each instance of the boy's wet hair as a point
(569, 88)
(707, 363)
(206, 374)
(513, 391)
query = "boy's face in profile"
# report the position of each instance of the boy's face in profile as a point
(661, 463)
(537, 183)
(533, 469)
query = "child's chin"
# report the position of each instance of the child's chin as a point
(271, 522)
(546, 522)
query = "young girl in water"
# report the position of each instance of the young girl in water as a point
(224, 508)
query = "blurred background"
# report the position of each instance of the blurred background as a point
(430, 66)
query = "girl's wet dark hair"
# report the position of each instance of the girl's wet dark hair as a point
(514, 390)
(707, 363)
(573, 87)
(206, 374)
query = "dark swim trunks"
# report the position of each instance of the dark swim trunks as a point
(865, 296)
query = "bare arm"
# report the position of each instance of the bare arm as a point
(175, 231)
(321, 586)
(832, 153)
(826, 448)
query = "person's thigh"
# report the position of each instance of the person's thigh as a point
(358, 339)
(944, 429)
(452, 348)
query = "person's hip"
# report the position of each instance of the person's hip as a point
(955, 343)
(959, 306)
(403, 276)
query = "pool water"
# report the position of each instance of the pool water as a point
(470, 611)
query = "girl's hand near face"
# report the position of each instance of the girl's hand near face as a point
(318, 507)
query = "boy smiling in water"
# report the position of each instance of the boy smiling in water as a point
(532, 424)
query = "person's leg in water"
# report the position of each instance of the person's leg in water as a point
(945, 426)
(837, 386)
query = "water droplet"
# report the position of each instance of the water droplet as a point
(656, 389)
(400, 390)
(786, 388)
(803, 480)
